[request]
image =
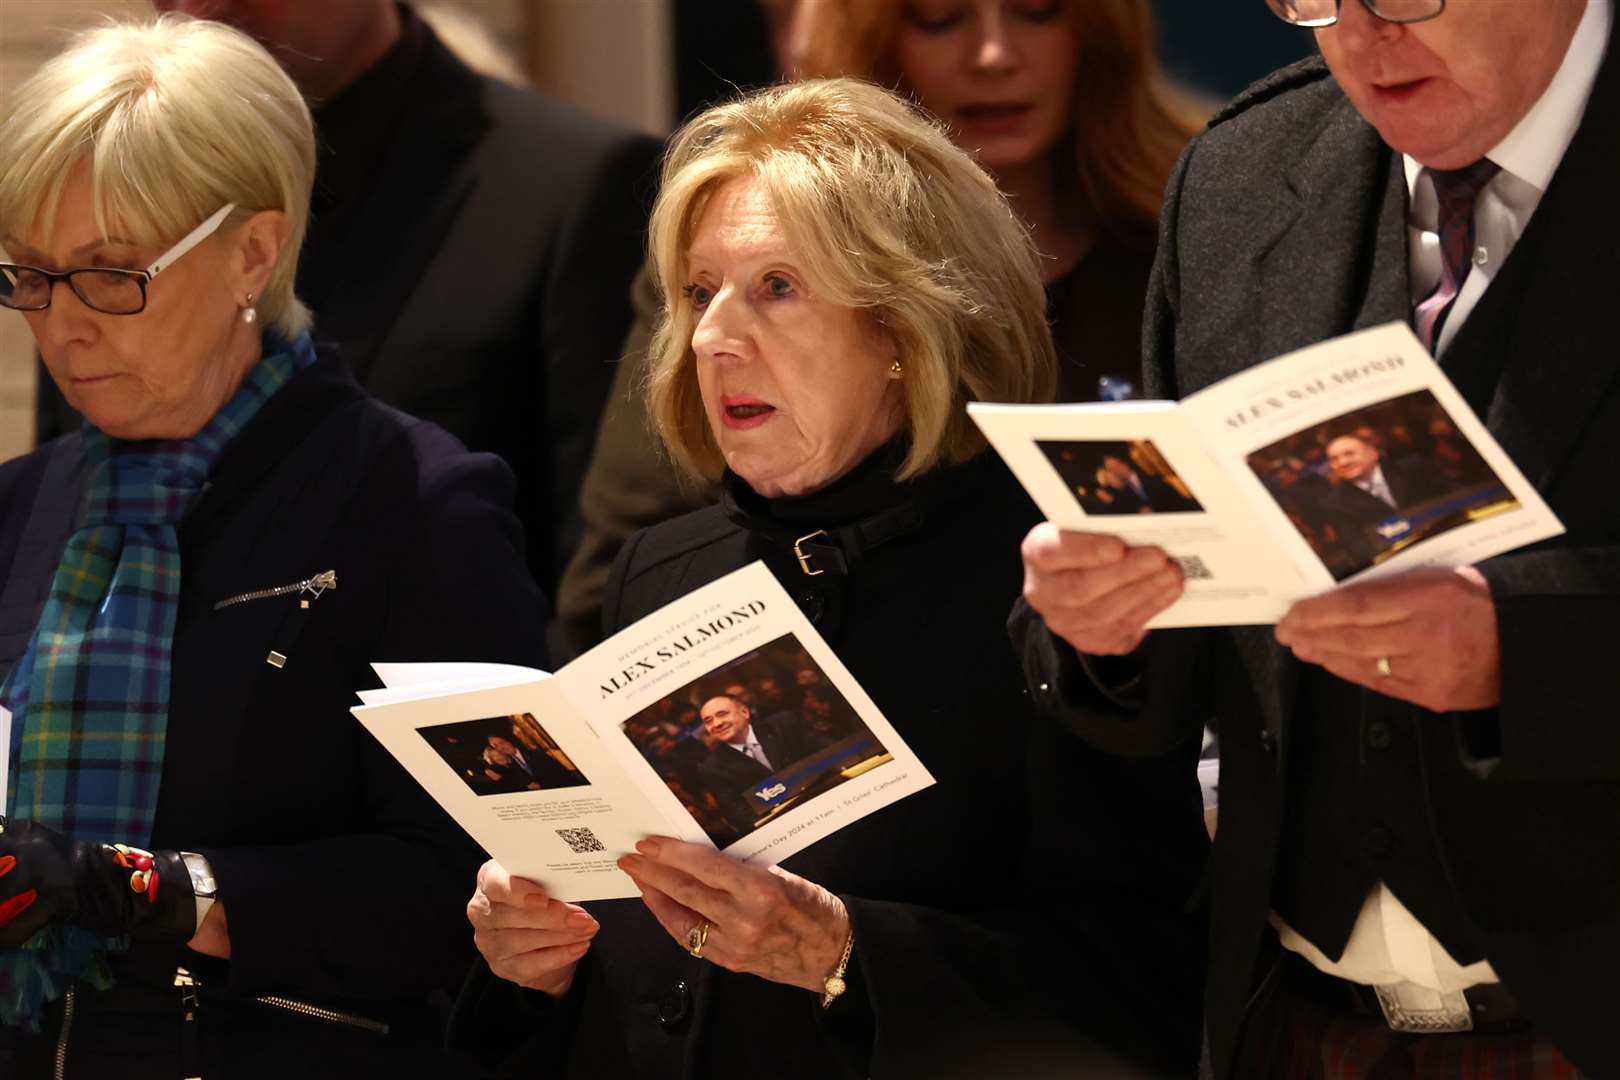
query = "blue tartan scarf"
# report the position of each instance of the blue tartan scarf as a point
(90, 695)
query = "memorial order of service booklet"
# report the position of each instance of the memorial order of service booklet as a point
(721, 719)
(1346, 461)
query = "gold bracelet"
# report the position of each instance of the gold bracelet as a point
(835, 982)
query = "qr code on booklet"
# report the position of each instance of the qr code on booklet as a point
(582, 841)
(1192, 567)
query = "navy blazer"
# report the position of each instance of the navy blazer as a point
(343, 883)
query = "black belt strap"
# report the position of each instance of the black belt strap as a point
(835, 550)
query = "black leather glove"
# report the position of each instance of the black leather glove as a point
(109, 889)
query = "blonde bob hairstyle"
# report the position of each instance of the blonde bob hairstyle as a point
(882, 213)
(175, 117)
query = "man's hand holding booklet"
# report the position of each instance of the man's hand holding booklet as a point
(1348, 461)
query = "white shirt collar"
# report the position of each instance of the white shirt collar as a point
(1536, 145)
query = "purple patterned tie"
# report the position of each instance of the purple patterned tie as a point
(1457, 189)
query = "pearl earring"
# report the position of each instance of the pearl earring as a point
(250, 314)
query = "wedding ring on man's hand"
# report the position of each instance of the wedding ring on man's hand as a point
(696, 938)
(1383, 667)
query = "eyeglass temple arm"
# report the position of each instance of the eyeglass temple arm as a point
(189, 241)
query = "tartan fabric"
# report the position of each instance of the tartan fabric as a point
(1304, 1025)
(1320, 1044)
(90, 695)
(1457, 191)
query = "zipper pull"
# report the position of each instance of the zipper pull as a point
(309, 591)
(190, 1037)
(326, 579)
(315, 586)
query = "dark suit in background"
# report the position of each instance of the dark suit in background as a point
(470, 248)
(1500, 830)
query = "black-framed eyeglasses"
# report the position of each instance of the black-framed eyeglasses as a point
(104, 289)
(1316, 13)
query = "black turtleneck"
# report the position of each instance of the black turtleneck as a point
(867, 489)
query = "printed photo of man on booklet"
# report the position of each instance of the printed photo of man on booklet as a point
(502, 755)
(748, 741)
(1372, 482)
(1116, 477)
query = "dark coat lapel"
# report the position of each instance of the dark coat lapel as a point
(1544, 312)
(1345, 194)
(1338, 262)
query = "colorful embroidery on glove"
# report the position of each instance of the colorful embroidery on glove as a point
(143, 878)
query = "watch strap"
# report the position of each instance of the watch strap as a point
(834, 985)
(203, 887)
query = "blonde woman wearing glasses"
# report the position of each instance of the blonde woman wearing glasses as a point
(206, 868)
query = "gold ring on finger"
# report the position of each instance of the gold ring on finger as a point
(696, 938)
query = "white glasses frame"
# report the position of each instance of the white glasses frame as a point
(141, 277)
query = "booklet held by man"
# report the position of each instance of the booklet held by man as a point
(1343, 462)
(721, 719)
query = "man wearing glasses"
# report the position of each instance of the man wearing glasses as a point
(1417, 871)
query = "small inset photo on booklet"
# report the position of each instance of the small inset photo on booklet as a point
(1372, 482)
(749, 740)
(1119, 477)
(503, 755)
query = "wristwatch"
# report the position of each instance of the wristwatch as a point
(834, 985)
(203, 886)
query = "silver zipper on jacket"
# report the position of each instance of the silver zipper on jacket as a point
(60, 1071)
(313, 586)
(304, 1008)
